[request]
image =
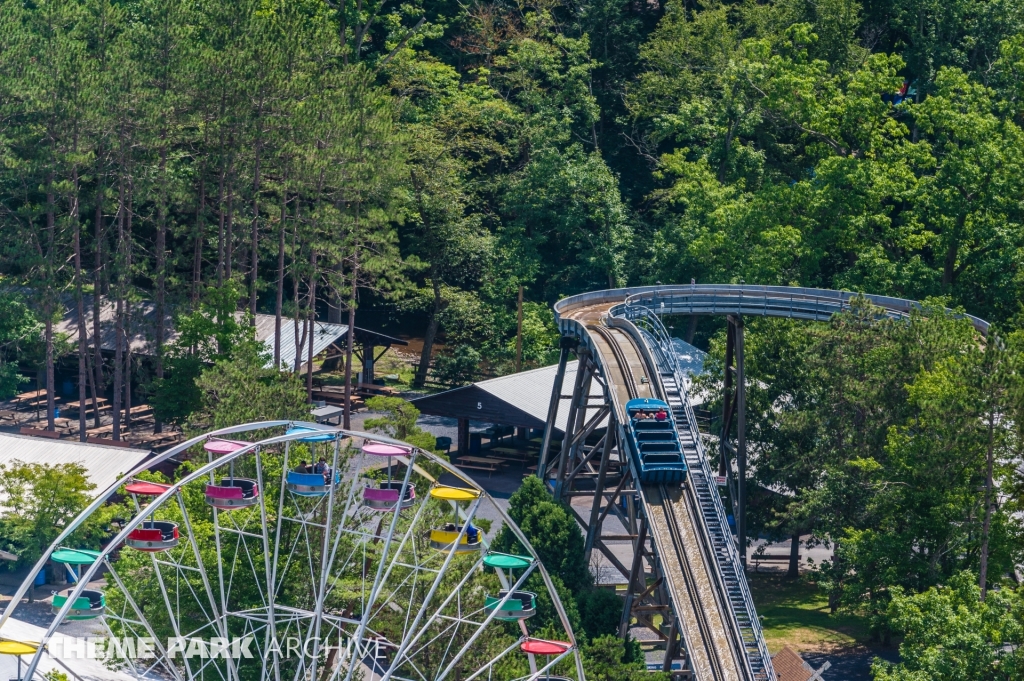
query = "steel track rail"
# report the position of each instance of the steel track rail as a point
(693, 587)
(706, 654)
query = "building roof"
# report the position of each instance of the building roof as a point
(142, 328)
(103, 465)
(60, 645)
(324, 335)
(789, 666)
(515, 400)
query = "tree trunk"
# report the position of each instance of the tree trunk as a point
(312, 321)
(128, 315)
(279, 303)
(50, 425)
(256, 216)
(986, 525)
(220, 216)
(48, 306)
(519, 331)
(794, 557)
(197, 255)
(430, 336)
(350, 345)
(83, 348)
(97, 309)
(161, 275)
(230, 238)
(118, 320)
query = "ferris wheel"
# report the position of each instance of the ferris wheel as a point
(309, 552)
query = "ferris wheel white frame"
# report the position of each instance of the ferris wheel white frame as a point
(300, 431)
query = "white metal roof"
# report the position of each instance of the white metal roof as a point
(323, 335)
(103, 465)
(530, 391)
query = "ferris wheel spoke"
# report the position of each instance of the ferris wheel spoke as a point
(200, 565)
(142, 618)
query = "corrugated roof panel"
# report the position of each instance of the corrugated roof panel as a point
(103, 465)
(530, 391)
(324, 334)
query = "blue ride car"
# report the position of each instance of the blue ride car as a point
(653, 442)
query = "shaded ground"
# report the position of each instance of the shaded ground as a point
(795, 613)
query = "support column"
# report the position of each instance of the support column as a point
(594, 526)
(741, 442)
(569, 447)
(567, 344)
(570, 422)
(463, 438)
(635, 572)
(727, 402)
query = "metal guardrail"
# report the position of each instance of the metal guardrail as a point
(648, 320)
(770, 301)
(773, 301)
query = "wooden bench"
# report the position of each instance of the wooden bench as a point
(108, 443)
(770, 558)
(480, 463)
(35, 432)
(374, 389)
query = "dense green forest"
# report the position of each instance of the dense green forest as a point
(428, 158)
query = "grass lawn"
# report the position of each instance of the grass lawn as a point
(795, 613)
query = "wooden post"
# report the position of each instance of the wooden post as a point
(463, 438)
(519, 332)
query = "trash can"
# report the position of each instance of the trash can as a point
(40, 578)
(475, 440)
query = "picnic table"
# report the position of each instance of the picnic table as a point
(31, 395)
(482, 463)
(512, 454)
(374, 389)
(102, 402)
(325, 414)
(157, 439)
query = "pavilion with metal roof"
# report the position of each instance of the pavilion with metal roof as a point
(517, 400)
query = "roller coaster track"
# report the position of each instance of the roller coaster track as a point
(694, 549)
(679, 530)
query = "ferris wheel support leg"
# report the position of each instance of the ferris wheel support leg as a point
(325, 568)
(496, 659)
(364, 621)
(220, 615)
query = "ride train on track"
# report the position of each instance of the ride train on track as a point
(653, 442)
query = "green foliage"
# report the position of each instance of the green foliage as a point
(399, 421)
(177, 396)
(948, 635)
(879, 431)
(608, 658)
(243, 389)
(39, 501)
(19, 330)
(458, 366)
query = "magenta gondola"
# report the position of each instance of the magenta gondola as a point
(232, 493)
(385, 497)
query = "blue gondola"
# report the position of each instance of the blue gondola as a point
(654, 443)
